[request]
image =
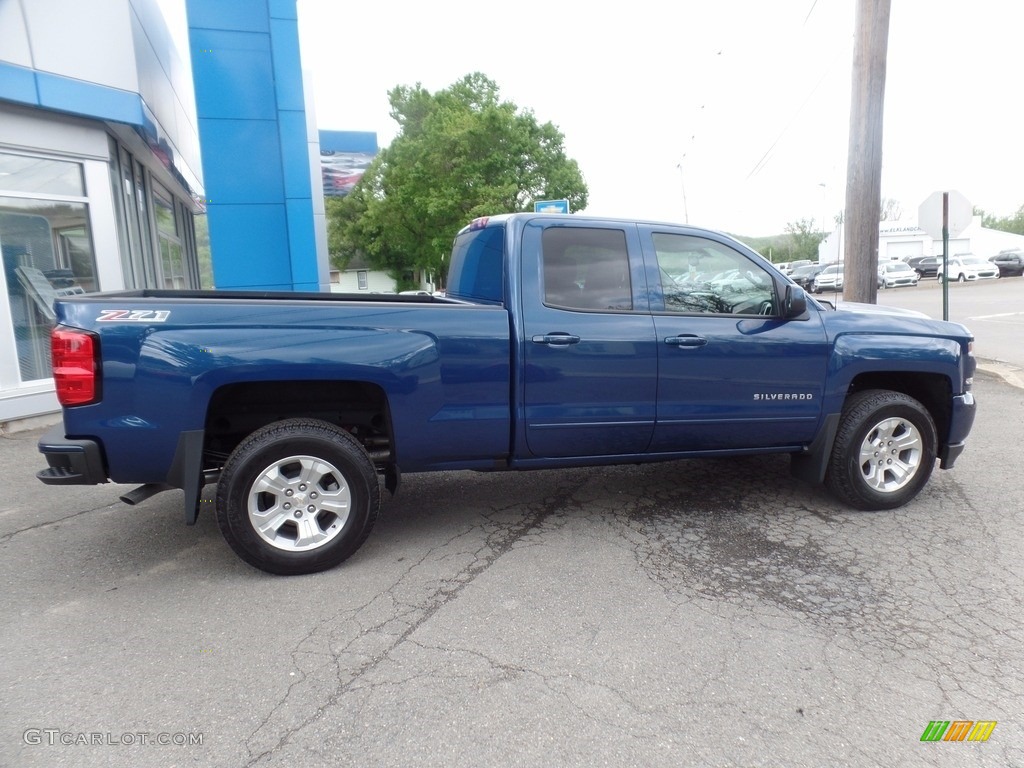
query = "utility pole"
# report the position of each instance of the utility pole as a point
(682, 184)
(864, 159)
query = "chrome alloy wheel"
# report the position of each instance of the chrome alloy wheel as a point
(891, 454)
(299, 503)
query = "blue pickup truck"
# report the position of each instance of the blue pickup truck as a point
(562, 341)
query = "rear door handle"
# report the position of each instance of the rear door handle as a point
(556, 339)
(686, 340)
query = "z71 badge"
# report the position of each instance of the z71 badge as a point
(133, 315)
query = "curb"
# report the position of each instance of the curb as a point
(1009, 374)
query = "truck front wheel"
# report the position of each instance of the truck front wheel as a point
(884, 451)
(297, 496)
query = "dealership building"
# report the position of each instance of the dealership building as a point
(900, 240)
(102, 116)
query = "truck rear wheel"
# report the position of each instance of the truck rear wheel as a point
(297, 496)
(884, 451)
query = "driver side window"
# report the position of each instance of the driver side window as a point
(700, 276)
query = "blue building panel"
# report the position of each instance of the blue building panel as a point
(250, 247)
(283, 9)
(349, 141)
(90, 99)
(234, 73)
(294, 155)
(18, 84)
(242, 161)
(302, 244)
(252, 126)
(287, 68)
(235, 15)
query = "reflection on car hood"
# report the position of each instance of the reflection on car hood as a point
(855, 306)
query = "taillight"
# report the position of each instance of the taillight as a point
(75, 363)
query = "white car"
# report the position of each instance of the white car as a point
(829, 279)
(896, 273)
(967, 267)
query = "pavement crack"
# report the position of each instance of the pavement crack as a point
(49, 523)
(381, 643)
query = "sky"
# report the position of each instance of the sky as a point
(729, 114)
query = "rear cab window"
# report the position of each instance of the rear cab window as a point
(477, 269)
(586, 269)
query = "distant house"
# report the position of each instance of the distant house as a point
(360, 277)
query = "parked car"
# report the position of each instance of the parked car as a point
(788, 267)
(896, 273)
(925, 266)
(1010, 262)
(829, 279)
(804, 276)
(966, 267)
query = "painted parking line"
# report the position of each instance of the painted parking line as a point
(1000, 318)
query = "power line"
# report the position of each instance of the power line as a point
(767, 155)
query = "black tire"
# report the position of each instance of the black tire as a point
(892, 427)
(962, 278)
(319, 466)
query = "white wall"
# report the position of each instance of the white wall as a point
(377, 282)
(65, 39)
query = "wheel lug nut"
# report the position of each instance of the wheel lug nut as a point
(311, 508)
(289, 492)
(298, 513)
(313, 495)
(302, 487)
(287, 505)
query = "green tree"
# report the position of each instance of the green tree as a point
(1013, 223)
(460, 153)
(804, 239)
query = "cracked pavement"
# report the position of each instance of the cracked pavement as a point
(687, 613)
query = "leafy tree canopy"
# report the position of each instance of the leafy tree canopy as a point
(460, 153)
(804, 239)
(1013, 223)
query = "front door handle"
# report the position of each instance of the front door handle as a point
(686, 340)
(556, 339)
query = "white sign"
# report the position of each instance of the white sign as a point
(960, 214)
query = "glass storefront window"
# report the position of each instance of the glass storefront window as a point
(171, 261)
(39, 176)
(47, 253)
(46, 250)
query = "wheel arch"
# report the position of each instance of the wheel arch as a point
(236, 410)
(932, 390)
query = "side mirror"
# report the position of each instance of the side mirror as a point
(795, 303)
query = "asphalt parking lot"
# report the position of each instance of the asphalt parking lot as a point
(688, 613)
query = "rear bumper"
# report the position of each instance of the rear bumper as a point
(71, 462)
(959, 427)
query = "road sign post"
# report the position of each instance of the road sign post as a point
(944, 215)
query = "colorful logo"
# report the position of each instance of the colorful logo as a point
(958, 730)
